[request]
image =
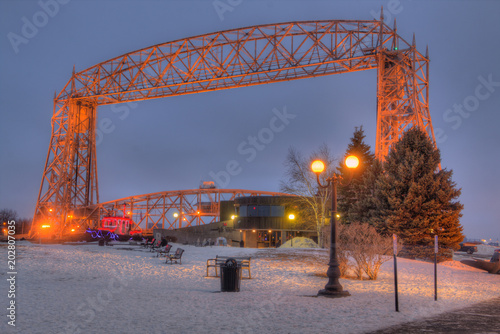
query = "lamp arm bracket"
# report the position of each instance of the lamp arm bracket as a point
(319, 182)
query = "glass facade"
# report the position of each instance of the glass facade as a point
(262, 211)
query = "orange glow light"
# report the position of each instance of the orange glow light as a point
(352, 161)
(45, 226)
(317, 166)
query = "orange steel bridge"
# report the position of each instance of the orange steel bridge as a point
(227, 59)
(170, 209)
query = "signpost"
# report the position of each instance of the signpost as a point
(435, 267)
(395, 245)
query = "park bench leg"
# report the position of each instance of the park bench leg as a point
(249, 274)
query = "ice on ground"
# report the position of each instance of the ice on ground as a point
(126, 289)
(300, 242)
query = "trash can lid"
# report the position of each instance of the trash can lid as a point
(231, 262)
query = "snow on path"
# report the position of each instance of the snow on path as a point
(90, 289)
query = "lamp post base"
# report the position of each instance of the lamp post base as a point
(333, 293)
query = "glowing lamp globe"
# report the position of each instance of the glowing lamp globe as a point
(317, 166)
(352, 161)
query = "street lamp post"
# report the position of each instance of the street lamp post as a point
(333, 288)
(291, 217)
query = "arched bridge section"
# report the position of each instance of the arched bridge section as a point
(222, 60)
(171, 209)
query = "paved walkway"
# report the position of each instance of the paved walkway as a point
(481, 318)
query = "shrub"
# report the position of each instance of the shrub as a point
(368, 249)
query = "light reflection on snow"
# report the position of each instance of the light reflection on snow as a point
(55, 280)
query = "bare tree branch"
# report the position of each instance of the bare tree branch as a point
(312, 200)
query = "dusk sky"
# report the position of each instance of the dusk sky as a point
(177, 142)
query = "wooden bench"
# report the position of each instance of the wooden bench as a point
(176, 256)
(244, 261)
(147, 244)
(154, 246)
(164, 252)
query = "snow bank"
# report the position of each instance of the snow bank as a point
(459, 265)
(300, 242)
(486, 249)
(125, 289)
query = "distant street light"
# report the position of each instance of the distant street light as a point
(333, 288)
(291, 217)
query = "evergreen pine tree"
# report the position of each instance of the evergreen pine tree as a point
(365, 208)
(349, 194)
(414, 198)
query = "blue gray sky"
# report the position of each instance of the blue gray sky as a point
(176, 142)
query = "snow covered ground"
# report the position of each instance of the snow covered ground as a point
(90, 289)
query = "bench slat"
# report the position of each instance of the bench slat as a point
(244, 261)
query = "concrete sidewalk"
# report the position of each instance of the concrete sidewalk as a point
(481, 318)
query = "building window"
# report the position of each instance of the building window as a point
(277, 211)
(243, 211)
(264, 211)
(261, 211)
(253, 211)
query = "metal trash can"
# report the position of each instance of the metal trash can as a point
(230, 276)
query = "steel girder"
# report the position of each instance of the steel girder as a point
(193, 207)
(222, 60)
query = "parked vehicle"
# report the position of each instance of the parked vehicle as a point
(468, 247)
(496, 256)
(119, 226)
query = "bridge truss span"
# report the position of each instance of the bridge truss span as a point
(227, 59)
(232, 58)
(172, 209)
